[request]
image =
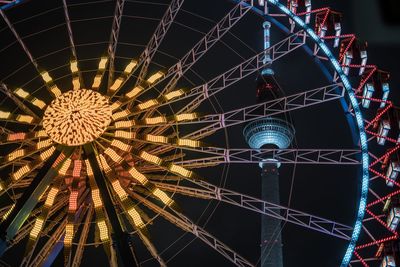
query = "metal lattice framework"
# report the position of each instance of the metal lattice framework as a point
(112, 157)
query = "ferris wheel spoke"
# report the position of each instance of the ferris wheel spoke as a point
(12, 95)
(184, 223)
(201, 48)
(21, 137)
(77, 79)
(83, 237)
(150, 50)
(209, 191)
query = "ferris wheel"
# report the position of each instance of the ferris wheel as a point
(127, 126)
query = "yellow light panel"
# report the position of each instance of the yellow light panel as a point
(96, 198)
(89, 169)
(5, 216)
(74, 66)
(147, 104)
(124, 124)
(4, 114)
(119, 190)
(129, 68)
(41, 133)
(134, 92)
(188, 142)
(150, 158)
(39, 103)
(16, 154)
(47, 154)
(186, 117)
(51, 196)
(43, 144)
(113, 155)
(103, 63)
(73, 201)
(103, 164)
(65, 166)
(69, 234)
(181, 171)
(46, 76)
(76, 83)
(97, 81)
(136, 217)
(117, 83)
(121, 145)
(21, 93)
(141, 178)
(155, 120)
(125, 134)
(25, 118)
(174, 94)
(120, 115)
(156, 76)
(156, 138)
(103, 230)
(115, 105)
(55, 90)
(163, 197)
(36, 228)
(21, 172)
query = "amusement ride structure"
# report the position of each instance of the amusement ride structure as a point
(99, 150)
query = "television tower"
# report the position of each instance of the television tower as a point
(269, 133)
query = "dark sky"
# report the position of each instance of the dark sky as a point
(327, 191)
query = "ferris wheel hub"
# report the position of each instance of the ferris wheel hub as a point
(77, 117)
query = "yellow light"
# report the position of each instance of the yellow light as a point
(96, 198)
(16, 136)
(76, 83)
(156, 138)
(25, 118)
(102, 63)
(155, 120)
(69, 234)
(134, 92)
(36, 228)
(39, 103)
(117, 83)
(121, 114)
(147, 104)
(4, 114)
(54, 89)
(47, 154)
(43, 144)
(65, 166)
(186, 117)
(125, 134)
(97, 81)
(180, 170)
(124, 124)
(163, 197)
(5, 216)
(138, 176)
(103, 230)
(115, 105)
(153, 78)
(113, 155)
(103, 164)
(129, 68)
(21, 172)
(89, 169)
(74, 66)
(16, 154)
(188, 142)
(51, 196)
(136, 217)
(119, 190)
(150, 158)
(21, 93)
(46, 76)
(41, 133)
(121, 145)
(174, 94)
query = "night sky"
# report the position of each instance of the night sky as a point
(326, 191)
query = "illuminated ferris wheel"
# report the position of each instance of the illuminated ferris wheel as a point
(107, 142)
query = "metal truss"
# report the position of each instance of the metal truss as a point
(306, 220)
(82, 240)
(112, 46)
(187, 225)
(284, 156)
(4, 89)
(201, 48)
(157, 38)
